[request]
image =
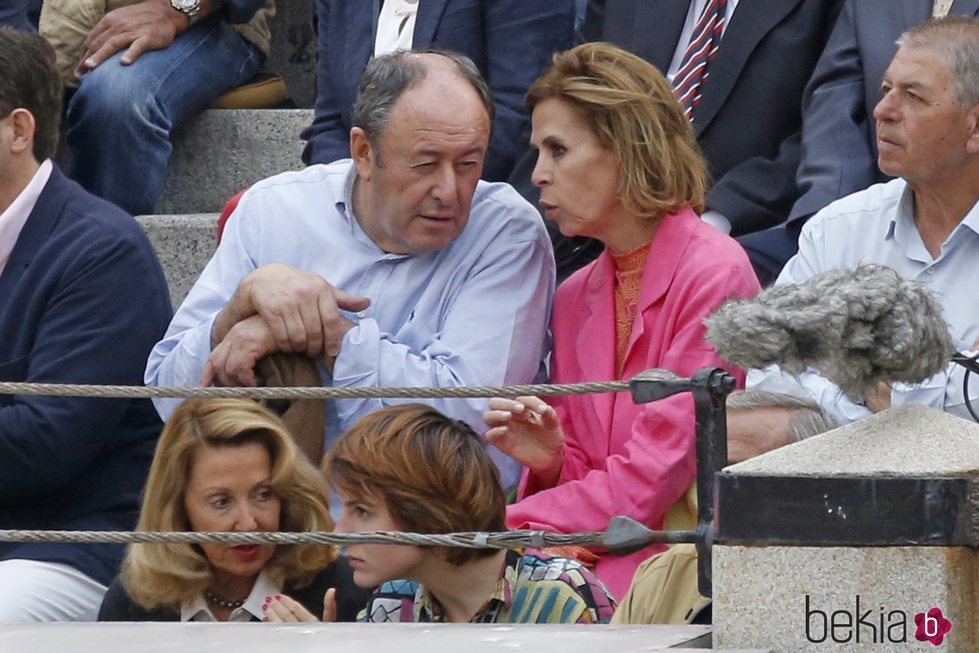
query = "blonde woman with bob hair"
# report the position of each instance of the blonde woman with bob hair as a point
(618, 161)
(229, 465)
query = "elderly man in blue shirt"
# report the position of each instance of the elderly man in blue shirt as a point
(924, 224)
(396, 268)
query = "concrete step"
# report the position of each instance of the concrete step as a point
(222, 151)
(184, 244)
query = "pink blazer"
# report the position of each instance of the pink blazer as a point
(620, 458)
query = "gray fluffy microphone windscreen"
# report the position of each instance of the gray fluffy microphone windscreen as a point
(858, 327)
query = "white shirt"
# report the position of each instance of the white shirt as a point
(199, 610)
(472, 314)
(395, 26)
(877, 226)
(13, 219)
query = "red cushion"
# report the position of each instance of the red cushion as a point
(226, 212)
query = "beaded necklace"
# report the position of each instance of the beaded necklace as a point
(214, 599)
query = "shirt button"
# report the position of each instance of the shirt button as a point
(361, 314)
(931, 270)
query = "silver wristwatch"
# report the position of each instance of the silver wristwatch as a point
(189, 7)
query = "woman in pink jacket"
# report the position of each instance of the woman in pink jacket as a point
(618, 161)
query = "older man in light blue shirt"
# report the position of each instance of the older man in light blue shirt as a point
(925, 224)
(398, 268)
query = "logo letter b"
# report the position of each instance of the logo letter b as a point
(820, 616)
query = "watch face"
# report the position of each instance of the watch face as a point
(185, 5)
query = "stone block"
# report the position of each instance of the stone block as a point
(223, 151)
(909, 440)
(293, 53)
(906, 480)
(184, 244)
(344, 638)
(761, 594)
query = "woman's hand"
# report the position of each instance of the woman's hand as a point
(283, 609)
(330, 606)
(527, 430)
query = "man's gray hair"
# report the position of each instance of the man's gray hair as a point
(957, 39)
(808, 418)
(388, 76)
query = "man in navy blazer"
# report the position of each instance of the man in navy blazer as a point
(82, 300)
(748, 122)
(510, 41)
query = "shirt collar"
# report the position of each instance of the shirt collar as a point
(13, 219)
(346, 204)
(903, 230)
(346, 208)
(971, 220)
(901, 225)
(197, 609)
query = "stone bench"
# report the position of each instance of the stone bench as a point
(351, 638)
(846, 537)
(184, 244)
(222, 151)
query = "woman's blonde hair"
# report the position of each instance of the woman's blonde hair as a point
(630, 107)
(168, 574)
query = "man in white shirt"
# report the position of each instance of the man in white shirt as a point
(399, 268)
(925, 224)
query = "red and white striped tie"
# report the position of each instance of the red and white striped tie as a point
(704, 41)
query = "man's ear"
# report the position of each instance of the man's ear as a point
(23, 125)
(972, 145)
(362, 153)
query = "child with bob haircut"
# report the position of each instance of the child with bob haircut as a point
(411, 468)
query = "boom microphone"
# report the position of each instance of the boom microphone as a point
(858, 327)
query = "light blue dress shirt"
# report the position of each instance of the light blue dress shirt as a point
(877, 226)
(474, 313)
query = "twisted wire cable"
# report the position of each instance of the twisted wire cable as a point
(623, 535)
(317, 392)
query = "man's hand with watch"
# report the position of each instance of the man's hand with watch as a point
(138, 28)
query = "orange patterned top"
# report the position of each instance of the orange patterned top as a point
(628, 277)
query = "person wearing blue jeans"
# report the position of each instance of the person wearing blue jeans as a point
(147, 68)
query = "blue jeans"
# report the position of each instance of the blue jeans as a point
(20, 14)
(120, 120)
